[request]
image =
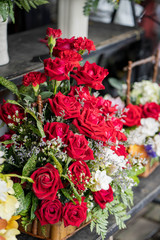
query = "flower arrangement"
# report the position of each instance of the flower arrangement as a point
(67, 144)
(142, 121)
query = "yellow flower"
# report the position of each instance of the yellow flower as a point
(8, 208)
(12, 222)
(9, 234)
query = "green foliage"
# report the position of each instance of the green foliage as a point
(56, 162)
(100, 217)
(34, 207)
(91, 5)
(39, 124)
(67, 194)
(29, 166)
(6, 6)
(9, 85)
(19, 194)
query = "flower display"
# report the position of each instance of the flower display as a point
(144, 127)
(66, 143)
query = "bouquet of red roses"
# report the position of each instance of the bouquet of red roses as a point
(68, 140)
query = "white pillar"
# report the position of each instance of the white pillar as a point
(4, 58)
(71, 19)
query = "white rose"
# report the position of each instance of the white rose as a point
(149, 126)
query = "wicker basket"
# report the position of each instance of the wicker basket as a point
(52, 232)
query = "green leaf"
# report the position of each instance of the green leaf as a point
(56, 162)
(29, 166)
(28, 98)
(39, 124)
(10, 85)
(14, 102)
(19, 194)
(115, 83)
(46, 94)
(34, 207)
(7, 142)
(67, 195)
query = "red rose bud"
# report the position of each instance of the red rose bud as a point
(65, 106)
(103, 196)
(151, 110)
(73, 214)
(56, 129)
(57, 69)
(46, 182)
(78, 147)
(79, 174)
(34, 78)
(11, 113)
(91, 75)
(132, 115)
(49, 212)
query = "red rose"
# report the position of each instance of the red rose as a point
(65, 106)
(71, 56)
(78, 147)
(103, 196)
(63, 44)
(91, 75)
(7, 136)
(120, 150)
(151, 110)
(117, 122)
(92, 124)
(132, 115)
(11, 113)
(46, 182)
(74, 214)
(49, 212)
(80, 93)
(82, 44)
(56, 129)
(34, 78)
(113, 134)
(57, 69)
(55, 33)
(79, 174)
(106, 107)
